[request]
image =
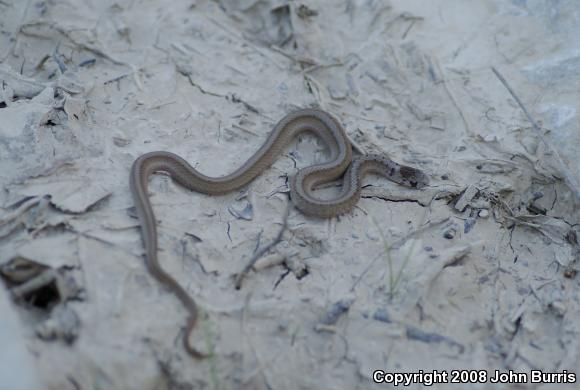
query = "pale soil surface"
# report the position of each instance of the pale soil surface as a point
(476, 271)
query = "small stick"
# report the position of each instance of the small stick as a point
(67, 34)
(45, 278)
(516, 98)
(300, 60)
(453, 99)
(264, 250)
(570, 179)
(244, 130)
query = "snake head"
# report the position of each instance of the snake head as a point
(414, 177)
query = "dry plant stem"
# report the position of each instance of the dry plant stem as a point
(302, 185)
(394, 280)
(9, 217)
(516, 98)
(572, 182)
(96, 51)
(258, 255)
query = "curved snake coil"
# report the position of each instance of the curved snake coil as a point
(302, 184)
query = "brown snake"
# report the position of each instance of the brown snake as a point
(302, 184)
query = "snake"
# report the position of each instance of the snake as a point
(302, 184)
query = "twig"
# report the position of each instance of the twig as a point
(321, 66)
(84, 46)
(11, 216)
(59, 62)
(134, 72)
(299, 59)
(264, 250)
(29, 210)
(115, 79)
(516, 98)
(452, 97)
(572, 182)
(45, 278)
(316, 91)
(244, 130)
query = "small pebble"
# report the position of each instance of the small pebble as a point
(121, 142)
(449, 234)
(469, 224)
(483, 213)
(538, 195)
(559, 307)
(382, 315)
(283, 326)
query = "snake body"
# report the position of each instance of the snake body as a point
(302, 184)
